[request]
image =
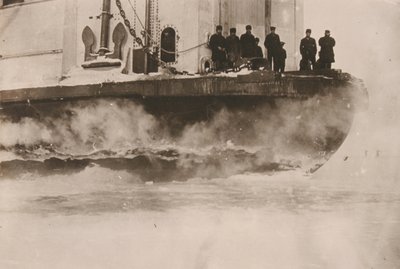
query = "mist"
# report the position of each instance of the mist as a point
(283, 134)
(367, 36)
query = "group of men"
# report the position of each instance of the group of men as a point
(227, 52)
(308, 50)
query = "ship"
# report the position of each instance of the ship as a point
(59, 56)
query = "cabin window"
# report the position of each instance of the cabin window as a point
(168, 45)
(9, 2)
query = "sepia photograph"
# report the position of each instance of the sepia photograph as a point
(204, 134)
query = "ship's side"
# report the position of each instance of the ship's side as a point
(32, 43)
(44, 41)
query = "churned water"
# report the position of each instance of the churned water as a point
(73, 204)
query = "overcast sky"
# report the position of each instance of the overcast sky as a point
(366, 32)
(367, 46)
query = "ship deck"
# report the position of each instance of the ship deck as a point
(257, 83)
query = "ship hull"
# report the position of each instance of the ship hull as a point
(297, 121)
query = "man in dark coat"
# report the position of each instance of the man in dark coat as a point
(258, 61)
(218, 48)
(282, 58)
(308, 51)
(326, 54)
(258, 53)
(273, 44)
(247, 43)
(233, 47)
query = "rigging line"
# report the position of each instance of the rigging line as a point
(137, 16)
(183, 51)
(141, 23)
(154, 41)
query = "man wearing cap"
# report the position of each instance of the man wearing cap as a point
(247, 43)
(218, 45)
(308, 51)
(273, 44)
(326, 54)
(233, 47)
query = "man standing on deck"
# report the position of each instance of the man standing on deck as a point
(282, 58)
(247, 43)
(308, 51)
(273, 44)
(233, 47)
(218, 48)
(259, 52)
(326, 54)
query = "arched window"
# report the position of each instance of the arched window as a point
(168, 45)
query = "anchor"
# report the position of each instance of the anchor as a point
(104, 57)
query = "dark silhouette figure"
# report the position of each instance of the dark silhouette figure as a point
(218, 48)
(247, 43)
(282, 58)
(273, 44)
(233, 48)
(258, 61)
(258, 53)
(326, 54)
(308, 51)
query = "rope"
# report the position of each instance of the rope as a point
(144, 31)
(134, 10)
(132, 31)
(141, 23)
(154, 41)
(183, 51)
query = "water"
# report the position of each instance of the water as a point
(106, 185)
(105, 219)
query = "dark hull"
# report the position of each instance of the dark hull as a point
(266, 122)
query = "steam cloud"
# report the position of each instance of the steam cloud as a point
(290, 131)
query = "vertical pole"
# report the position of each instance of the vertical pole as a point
(295, 32)
(220, 12)
(69, 36)
(146, 37)
(105, 26)
(268, 15)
